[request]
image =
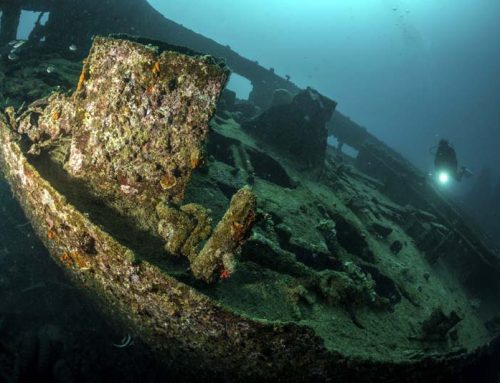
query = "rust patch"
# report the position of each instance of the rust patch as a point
(156, 68)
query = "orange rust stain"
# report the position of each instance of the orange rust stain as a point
(79, 259)
(225, 274)
(55, 115)
(237, 231)
(156, 68)
(66, 260)
(74, 258)
(82, 80)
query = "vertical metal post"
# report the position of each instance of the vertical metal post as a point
(11, 13)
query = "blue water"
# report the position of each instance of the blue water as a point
(410, 71)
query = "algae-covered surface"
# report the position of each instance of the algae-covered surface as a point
(280, 242)
(277, 277)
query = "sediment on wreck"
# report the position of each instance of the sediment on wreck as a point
(136, 122)
(219, 252)
(176, 321)
(133, 132)
(171, 317)
(297, 126)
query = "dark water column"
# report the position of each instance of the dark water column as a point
(11, 13)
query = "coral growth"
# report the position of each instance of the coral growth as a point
(135, 134)
(219, 253)
(183, 229)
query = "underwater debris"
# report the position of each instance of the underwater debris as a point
(219, 253)
(297, 127)
(351, 288)
(186, 228)
(133, 148)
(282, 97)
(183, 229)
(123, 139)
(137, 151)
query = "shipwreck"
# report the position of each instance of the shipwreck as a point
(230, 237)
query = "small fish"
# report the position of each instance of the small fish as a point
(125, 342)
(12, 56)
(18, 44)
(12, 42)
(50, 69)
(72, 48)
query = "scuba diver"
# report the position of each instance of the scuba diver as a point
(446, 164)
